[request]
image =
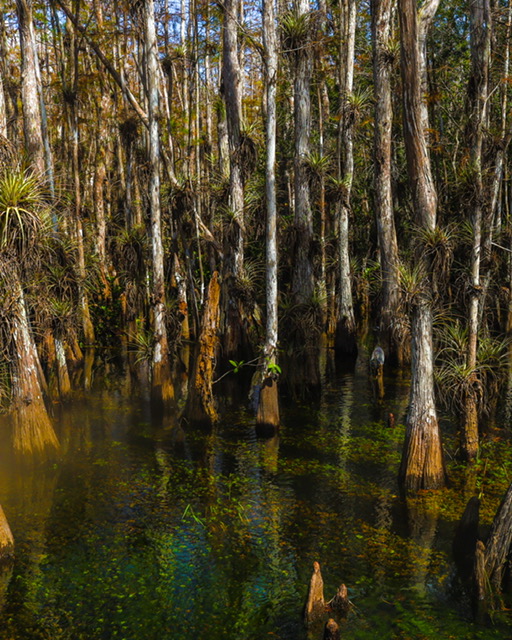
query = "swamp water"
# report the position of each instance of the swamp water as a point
(146, 530)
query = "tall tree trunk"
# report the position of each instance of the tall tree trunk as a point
(29, 90)
(388, 246)
(303, 280)
(268, 408)
(161, 383)
(422, 464)
(77, 231)
(346, 319)
(478, 93)
(234, 241)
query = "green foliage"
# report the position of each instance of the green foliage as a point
(22, 209)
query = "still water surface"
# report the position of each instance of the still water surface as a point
(162, 531)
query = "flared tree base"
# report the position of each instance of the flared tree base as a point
(33, 433)
(422, 464)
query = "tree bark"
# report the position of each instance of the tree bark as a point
(499, 541)
(32, 429)
(161, 383)
(315, 604)
(268, 408)
(303, 281)
(422, 464)
(346, 319)
(200, 401)
(388, 246)
(480, 41)
(233, 240)
(29, 90)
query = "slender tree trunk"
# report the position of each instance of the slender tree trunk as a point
(233, 240)
(268, 408)
(75, 162)
(477, 91)
(29, 90)
(162, 388)
(303, 280)
(422, 464)
(346, 319)
(388, 246)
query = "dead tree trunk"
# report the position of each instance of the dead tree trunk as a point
(200, 402)
(315, 604)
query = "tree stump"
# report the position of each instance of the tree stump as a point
(315, 604)
(6, 538)
(340, 604)
(331, 630)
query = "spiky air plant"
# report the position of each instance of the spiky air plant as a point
(357, 102)
(141, 343)
(317, 165)
(455, 379)
(23, 211)
(413, 283)
(437, 246)
(296, 31)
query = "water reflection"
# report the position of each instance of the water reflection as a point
(151, 528)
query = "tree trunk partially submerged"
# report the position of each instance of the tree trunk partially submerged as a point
(32, 429)
(340, 604)
(6, 539)
(201, 404)
(422, 465)
(315, 604)
(267, 417)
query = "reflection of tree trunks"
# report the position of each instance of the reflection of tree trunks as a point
(422, 520)
(466, 536)
(200, 402)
